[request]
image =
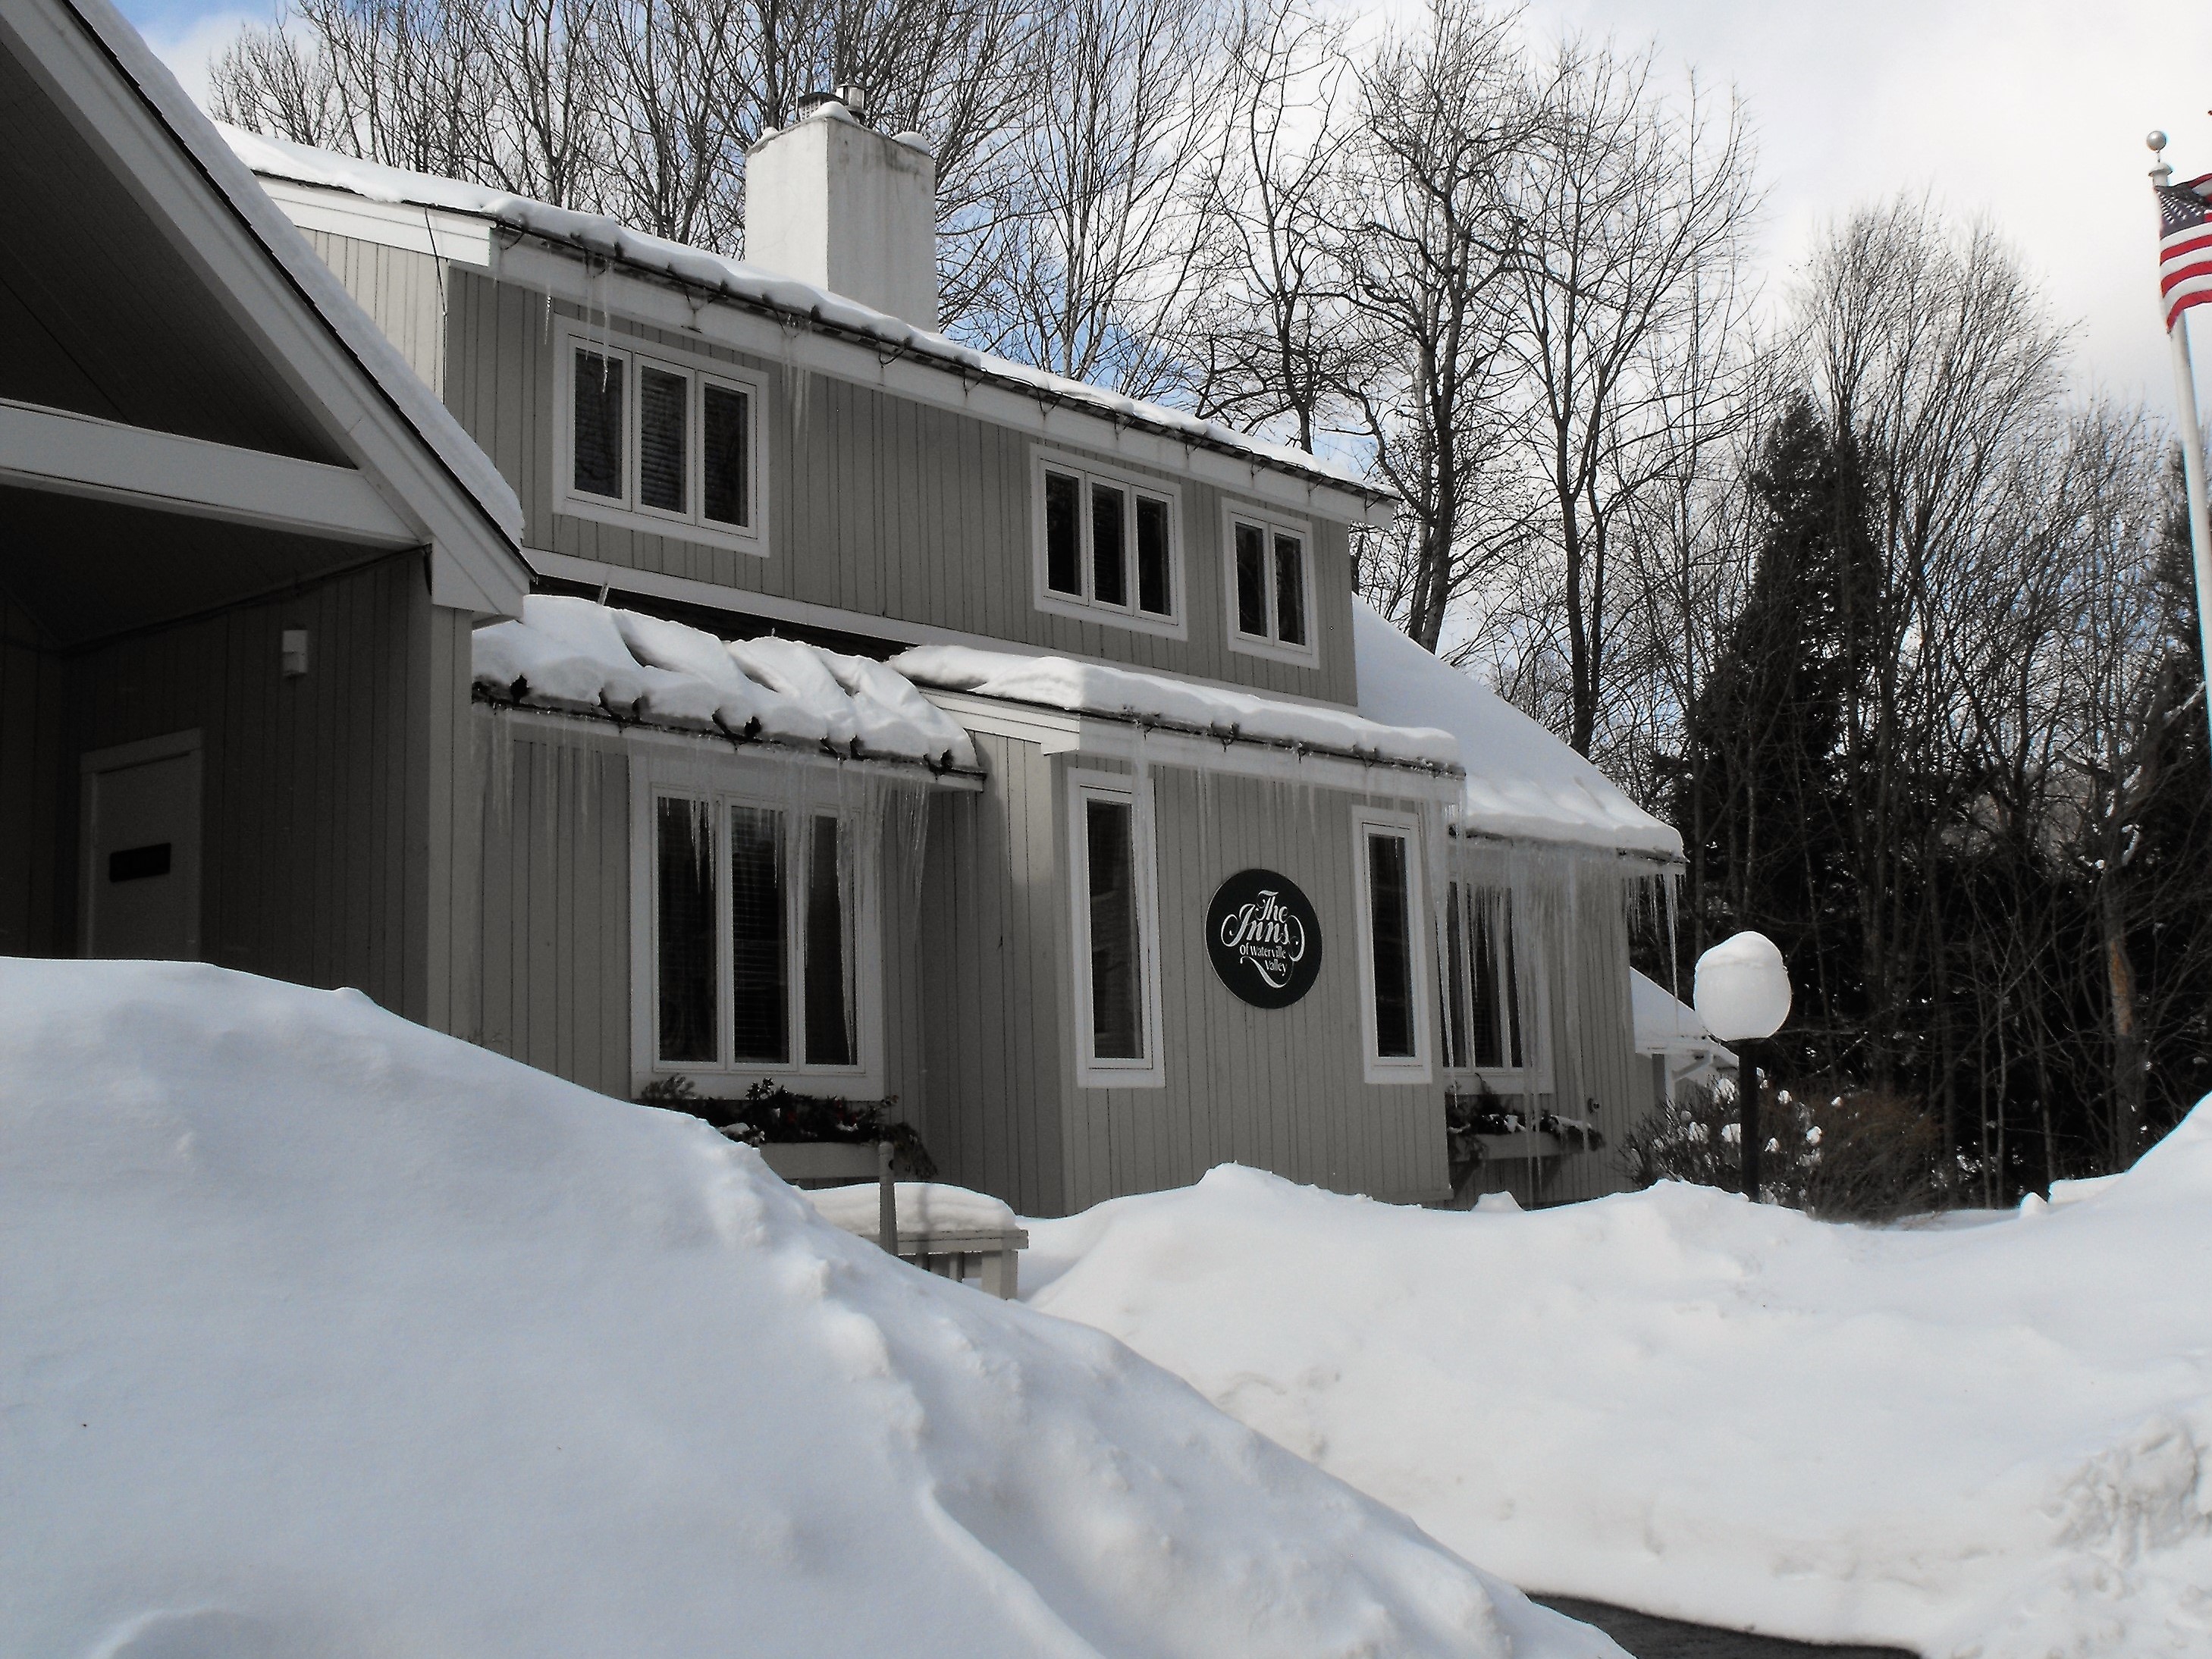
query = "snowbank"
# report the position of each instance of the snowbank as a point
(1521, 781)
(1122, 693)
(595, 233)
(573, 653)
(322, 1335)
(1993, 1442)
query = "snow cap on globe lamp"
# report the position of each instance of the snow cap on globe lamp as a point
(1742, 988)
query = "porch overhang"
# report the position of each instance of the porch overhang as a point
(73, 454)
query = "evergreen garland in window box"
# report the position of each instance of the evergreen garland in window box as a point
(770, 1114)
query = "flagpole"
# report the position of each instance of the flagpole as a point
(2192, 453)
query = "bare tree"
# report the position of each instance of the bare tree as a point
(1099, 247)
(1427, 251)
(1629, 212)
(1934, 353)
(1268, 327)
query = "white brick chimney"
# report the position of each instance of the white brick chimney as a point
(833, 202)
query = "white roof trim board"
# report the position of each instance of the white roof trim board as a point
(749, 285)
(1522, 783)
(577, 656)
(430, 418)
(1156, 701)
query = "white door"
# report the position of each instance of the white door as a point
(141, 839)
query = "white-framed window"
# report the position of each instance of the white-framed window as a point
(657, 440)
(1494, 1001)
(1108, 545)
(757, 933)
(1393, 972)
(1114, 887)
(1267, 567)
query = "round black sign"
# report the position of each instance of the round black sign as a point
(1264, 938)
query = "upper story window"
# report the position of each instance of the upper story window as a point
(759, 912)
(1108, 546)
(1394, 1006)
(659, 442)
(1269, 567)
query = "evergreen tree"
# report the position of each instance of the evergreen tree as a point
(1761, 768)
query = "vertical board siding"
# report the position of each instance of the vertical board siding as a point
(313, 849)
(1280, 1090)
(552, 919)
(402, 292)
(876, 504)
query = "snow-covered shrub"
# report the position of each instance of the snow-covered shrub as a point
(1866, 1156)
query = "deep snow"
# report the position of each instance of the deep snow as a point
(1992, 1440)
(322, 1335)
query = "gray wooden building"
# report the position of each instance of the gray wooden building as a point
(1207, 869)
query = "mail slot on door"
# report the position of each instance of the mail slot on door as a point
(137, 863)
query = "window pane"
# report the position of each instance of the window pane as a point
(759, 974)
(598, 425)
(1515, 1054)
(1251, 580)
(1489, 982)
(1116, 966)
(828, 948)
(1290, 590)
(1155, 593)
(1455, 981)
(684, 915)
(1109, 552)
(663, 400)
(1063, 553)
(1389, 919)
(728, 460)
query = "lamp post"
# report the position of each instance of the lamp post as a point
(1742, 993)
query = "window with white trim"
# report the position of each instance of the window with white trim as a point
(761, 930)
(1117, 931)
(1269, 565)
(659, 442)
(1491, 1026)
(1108, 545)
(1394, 1006)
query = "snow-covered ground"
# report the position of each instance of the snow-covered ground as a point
(322, 1335)
(1992, 1440)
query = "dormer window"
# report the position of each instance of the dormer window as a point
(1108, 546)
(1269, 571)
(660, 442)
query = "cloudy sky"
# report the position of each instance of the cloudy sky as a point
(2031, 112)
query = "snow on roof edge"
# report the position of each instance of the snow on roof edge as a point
(1522, 783)
(1231, 714)
(201, 139)
(735, 280)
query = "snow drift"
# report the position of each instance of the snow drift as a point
(1991, 1440)
(320, 1334)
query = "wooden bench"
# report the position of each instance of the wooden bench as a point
(978, 1231)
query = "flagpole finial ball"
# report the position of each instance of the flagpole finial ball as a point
(2156, 140)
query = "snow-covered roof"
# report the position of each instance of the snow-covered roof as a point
(1155, 700)
(750, 285)
(576, 655)
(1665, 1024)
(458, 454)
(1521, 782)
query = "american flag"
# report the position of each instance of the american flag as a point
(2185, 246)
